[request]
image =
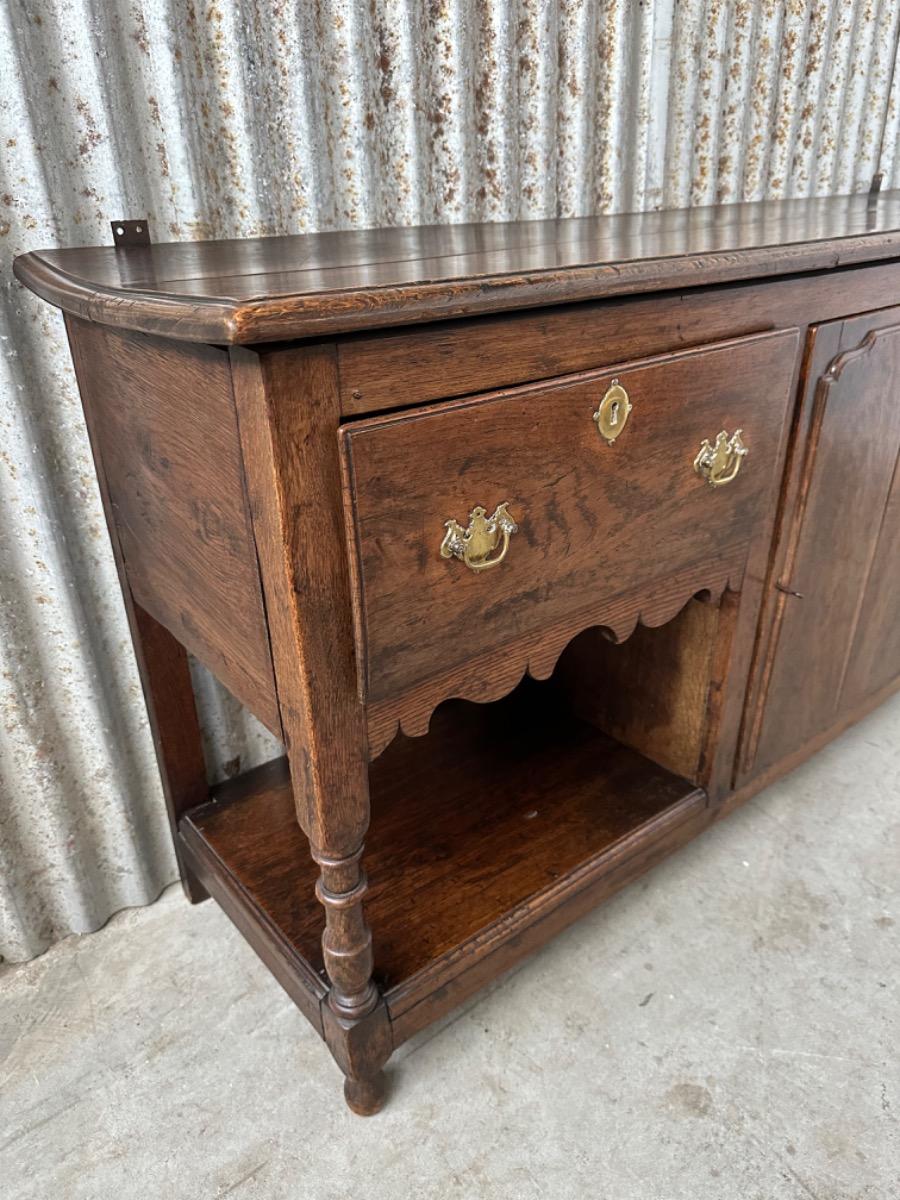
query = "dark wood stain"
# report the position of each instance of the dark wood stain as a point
(401, 367)
(268, 289)
(838, 582)
(163, 417)
(277, 513)
(450, 872)
(649, 515)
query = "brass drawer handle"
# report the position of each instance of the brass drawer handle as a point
(484, 534)
(719, 464)
(612, 412)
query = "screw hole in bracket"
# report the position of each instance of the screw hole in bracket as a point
(131, 233)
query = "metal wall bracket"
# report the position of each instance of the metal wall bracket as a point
(131, 233)
(872, 198)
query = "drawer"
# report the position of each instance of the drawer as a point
(579, 517)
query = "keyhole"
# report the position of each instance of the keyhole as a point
(614, 413)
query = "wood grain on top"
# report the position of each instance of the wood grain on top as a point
(263, 289)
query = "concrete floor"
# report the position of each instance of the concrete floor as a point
(726, 1027)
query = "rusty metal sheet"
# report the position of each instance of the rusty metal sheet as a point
(224, 119)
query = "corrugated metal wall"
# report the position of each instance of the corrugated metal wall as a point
(265, 116)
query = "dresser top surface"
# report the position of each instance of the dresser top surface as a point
(269, 289)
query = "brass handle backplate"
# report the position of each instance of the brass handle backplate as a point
(612, 412)
(719, 463)
(485, 537)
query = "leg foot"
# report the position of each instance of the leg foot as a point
(193, 889)
(360, 1047)
(365, 1097)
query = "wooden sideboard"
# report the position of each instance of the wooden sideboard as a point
(630, 483)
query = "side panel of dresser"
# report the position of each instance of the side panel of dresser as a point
(829, 645)
(164, 432)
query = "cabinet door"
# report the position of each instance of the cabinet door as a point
(833, 642)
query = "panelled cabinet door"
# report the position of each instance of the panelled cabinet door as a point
(835, 638)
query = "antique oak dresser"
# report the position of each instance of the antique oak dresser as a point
(628, 483)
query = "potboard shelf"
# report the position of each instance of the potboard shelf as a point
(500, 818)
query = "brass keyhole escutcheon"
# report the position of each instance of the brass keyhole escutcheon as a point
(612, 412)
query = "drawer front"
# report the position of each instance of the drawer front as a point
(591, 517)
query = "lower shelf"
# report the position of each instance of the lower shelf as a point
(502, 825)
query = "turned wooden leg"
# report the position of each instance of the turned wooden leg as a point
(347, 940)
(354, 1016)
